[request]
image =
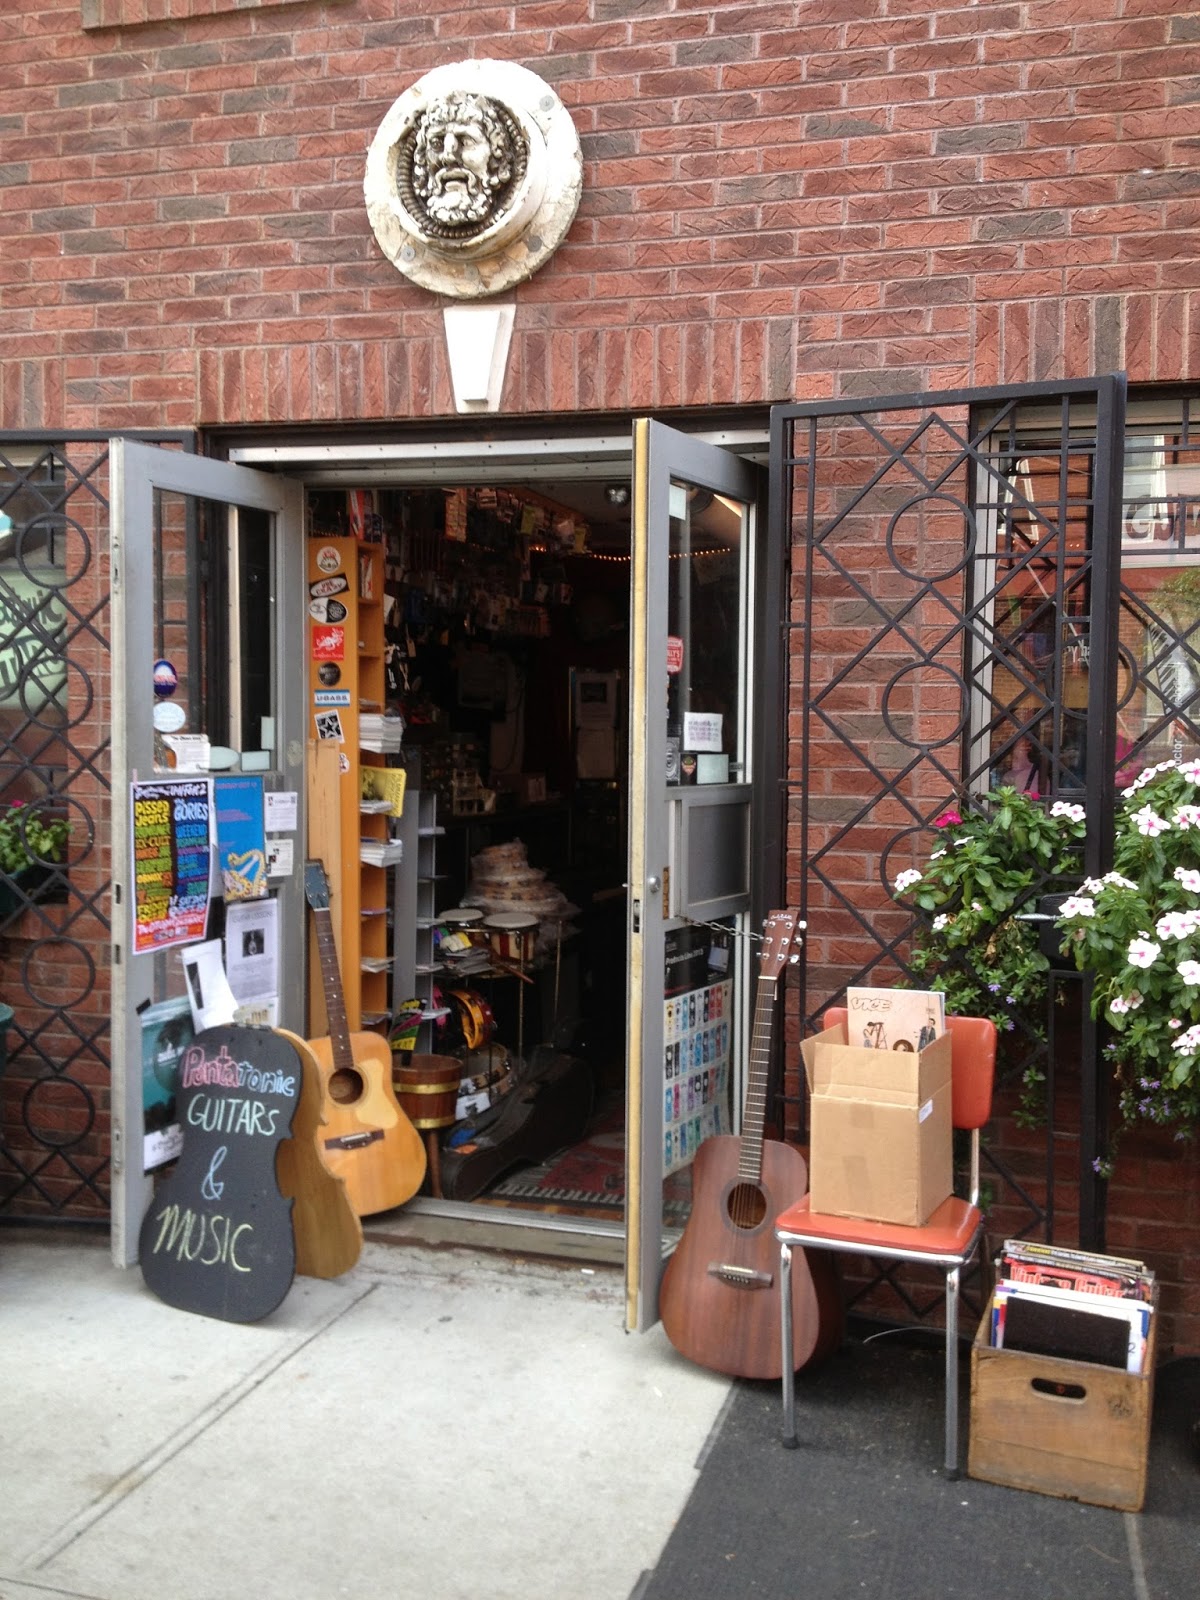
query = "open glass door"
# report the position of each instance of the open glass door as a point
(207, 566)
(692, 857)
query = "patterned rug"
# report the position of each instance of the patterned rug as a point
(587, 1179)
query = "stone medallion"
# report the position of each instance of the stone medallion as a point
(473, 178)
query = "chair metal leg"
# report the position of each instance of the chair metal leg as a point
(952, 1471)
(785, 1324)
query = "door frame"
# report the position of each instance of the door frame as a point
(137, 471)
(662, 453)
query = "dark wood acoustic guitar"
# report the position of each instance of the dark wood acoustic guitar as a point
(366, 1138)
(719, 1299)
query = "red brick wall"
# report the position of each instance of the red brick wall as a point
(781, 200)
(791, 199)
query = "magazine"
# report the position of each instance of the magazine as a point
(894, 1019)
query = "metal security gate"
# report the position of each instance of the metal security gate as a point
(953, 593)
(56, 815)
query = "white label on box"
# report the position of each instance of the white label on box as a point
(925, 1111)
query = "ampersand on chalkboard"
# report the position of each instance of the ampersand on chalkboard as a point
(210, 1188)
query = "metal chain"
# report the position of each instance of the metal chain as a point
(730, 933)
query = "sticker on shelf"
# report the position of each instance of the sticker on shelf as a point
(329, 644)
(329, 673)
(328, 559)
(329, 726)
(332, 697)
(324, 587)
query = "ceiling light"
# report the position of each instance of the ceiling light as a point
(617, 494)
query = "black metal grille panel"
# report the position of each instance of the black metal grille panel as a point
(950, 599)
(55, 721)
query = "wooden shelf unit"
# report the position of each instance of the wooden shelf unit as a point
(346, 679)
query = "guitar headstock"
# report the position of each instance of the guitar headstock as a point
(316, 886)
(781, 942)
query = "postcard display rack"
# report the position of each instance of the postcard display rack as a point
(346, 684)
(415, 908)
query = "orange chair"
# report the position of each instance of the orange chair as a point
(949, 1239)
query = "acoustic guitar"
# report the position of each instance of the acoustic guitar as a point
(719, 1299)
(366, 1138)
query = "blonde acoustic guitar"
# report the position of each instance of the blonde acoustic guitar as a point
(367, 1139)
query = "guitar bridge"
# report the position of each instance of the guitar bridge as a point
(740, 1277)
(354, 1141)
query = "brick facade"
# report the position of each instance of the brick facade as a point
(787, 200)
(781, 200)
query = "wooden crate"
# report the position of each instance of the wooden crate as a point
(1067, 1428)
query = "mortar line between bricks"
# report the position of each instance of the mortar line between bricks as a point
(177, 1442)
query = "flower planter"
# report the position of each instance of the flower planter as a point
(33, 883)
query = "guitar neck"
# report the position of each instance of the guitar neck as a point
(335, 1003)
(754, 1116)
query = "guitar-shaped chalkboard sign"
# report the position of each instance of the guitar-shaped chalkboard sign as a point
(719, 1299)
(217, 1238)
(367, 1139)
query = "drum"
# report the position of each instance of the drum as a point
(464, 928)
(512, 934)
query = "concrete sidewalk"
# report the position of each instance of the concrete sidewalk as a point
(442, 1424)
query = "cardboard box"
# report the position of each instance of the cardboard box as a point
(1074, 1429)
(881, 1135)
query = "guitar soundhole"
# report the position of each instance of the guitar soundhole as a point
(747, 1205)
(345, 1086)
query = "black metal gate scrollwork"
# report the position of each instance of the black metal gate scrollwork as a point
(953, 569)
(57, 811)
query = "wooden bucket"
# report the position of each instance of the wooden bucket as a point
(427, 1089)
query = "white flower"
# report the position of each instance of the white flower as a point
(940, 921)
(1189, 971)
(1118, 1005)
(906, 880)
(1189, 1041)
(1189, 878)
(1063, 808)
(1191, 771)
(1148, 821)
(1077, 905)
(1174, 925)
(1142, 952)
(937, 855)
(1186, 816)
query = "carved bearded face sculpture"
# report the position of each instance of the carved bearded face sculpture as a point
(465, 152)
(473, 178)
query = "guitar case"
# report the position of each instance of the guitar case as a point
(550, 1109)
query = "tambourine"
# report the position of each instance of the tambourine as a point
(478, 1023)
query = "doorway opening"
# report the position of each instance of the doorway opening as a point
(505, 640)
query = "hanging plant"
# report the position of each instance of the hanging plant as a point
(1137, 930)
(992, 863)
(30, 836)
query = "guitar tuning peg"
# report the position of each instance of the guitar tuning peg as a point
(794, 959)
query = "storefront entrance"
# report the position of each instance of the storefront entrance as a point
(559, 660)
